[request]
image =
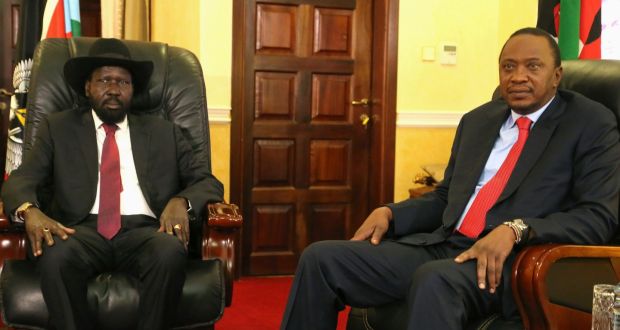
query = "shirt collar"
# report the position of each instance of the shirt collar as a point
(532, 116)
(121, 126)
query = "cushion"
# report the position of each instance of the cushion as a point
(112, 297)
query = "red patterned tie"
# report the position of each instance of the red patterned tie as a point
(475, 219)
(109, 219)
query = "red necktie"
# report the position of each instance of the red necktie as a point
(475, 219)
(109, 219)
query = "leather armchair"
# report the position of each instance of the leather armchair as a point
(176, 92)
(552, 284)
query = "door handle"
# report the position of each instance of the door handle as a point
(363, 102)
(365, 120)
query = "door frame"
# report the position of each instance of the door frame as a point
(383, 86)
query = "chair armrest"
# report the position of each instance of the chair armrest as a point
(539, 277)
(12, 239)
(5, 222)
(222, 225)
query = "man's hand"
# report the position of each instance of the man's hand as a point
(40, 227)
(174, 219)
(491, 251)
(375, 225)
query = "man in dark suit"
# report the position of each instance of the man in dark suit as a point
(539, 166)
(122, 194)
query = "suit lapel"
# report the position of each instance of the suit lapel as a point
(534, 146)
(485, 134)
(140, 145)
(86, 137)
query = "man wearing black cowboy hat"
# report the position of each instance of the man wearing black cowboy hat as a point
(123, 188)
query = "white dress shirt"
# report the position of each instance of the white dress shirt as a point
(508, 134)
(132, 199)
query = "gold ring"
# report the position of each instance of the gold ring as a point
(177, 227)
(46, 229)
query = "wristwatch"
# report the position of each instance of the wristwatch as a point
(520, 229)
(20, 213)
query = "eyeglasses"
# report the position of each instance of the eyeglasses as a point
(107, 83)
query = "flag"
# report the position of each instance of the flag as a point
(29, 30)
(61, 19)
(585, 29)
(28, 35)
(39, 20)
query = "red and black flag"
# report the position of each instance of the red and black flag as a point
(586, 29)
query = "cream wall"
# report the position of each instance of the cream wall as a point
(477, 27)
(205, 28)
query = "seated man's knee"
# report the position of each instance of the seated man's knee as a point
(60, 255)
(318, 251)
(434, 275)
(169, 250)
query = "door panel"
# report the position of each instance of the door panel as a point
(304, 147)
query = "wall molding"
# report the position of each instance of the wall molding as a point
(419, 118)
(219, 115)
(428, 118)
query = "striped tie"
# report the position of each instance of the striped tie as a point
(475, 219)
(110, 186)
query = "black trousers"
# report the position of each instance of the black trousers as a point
(156, 259)
(441, 294)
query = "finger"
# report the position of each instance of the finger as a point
(47, 235)
(33, 246)
(490, 271)
(66, 230)
(178, 231)
(38, 237)
(186, 233)
(58, 230)
(482, 272)
(360, 235)
(377, 234)
(169, 228)
(461, 258)
(499, 265)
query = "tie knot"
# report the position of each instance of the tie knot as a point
(109, 128)
(524, 123)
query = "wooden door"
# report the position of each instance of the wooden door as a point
(302, 123)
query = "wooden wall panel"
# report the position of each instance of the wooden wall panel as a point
(269, 152)
(332, 31)
(328, 222)
(331, 95)
(275, 223)
(275, 29)
(329, 162)
(275, 95)
(273, 239)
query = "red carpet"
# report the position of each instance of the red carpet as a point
(258, 304)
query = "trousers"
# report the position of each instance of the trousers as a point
(440, 293)
(156, 259)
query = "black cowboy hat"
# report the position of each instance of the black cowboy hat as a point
(107, 52)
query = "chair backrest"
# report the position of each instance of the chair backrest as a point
(176, 90)
(599, 80)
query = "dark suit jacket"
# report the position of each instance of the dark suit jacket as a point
(564, 185)
(65, 152)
